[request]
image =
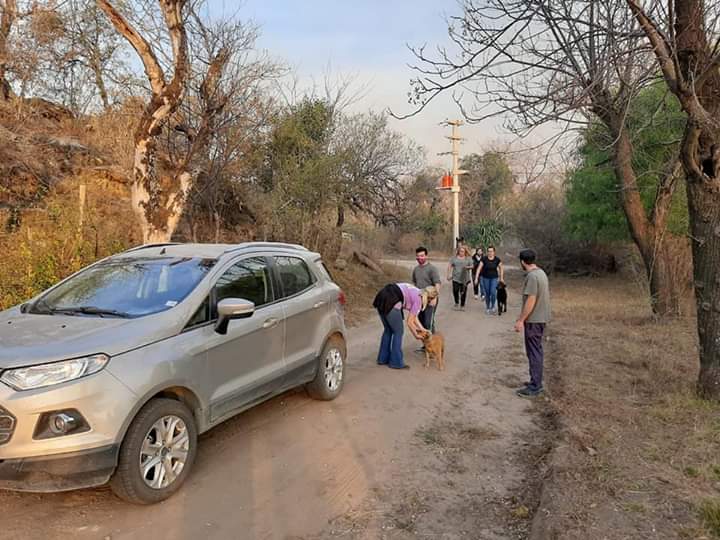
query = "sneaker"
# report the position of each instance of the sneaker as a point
(406, 366)
(462, 308)
(421, 350)
(529, 392)
(475, 296)
(456, 307)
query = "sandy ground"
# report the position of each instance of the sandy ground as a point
(400, 454)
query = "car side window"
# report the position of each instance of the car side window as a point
(248, 279)
(294, 275)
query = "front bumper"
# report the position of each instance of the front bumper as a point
(60, 472)
(104, 402)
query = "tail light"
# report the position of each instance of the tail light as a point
(342, 299)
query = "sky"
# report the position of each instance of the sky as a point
(366, 40)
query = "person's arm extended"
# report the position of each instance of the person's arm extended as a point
(526, 311)
(501, 268)
(413, 324)
(449, 271)
(477, 272)
(438, 280)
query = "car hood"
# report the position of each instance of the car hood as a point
(29, 338)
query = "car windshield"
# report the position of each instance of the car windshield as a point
(126, 287)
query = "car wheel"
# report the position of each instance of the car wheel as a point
(157, 453)
(330, 375)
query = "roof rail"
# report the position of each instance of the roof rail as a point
(283, 245)
(144, 246)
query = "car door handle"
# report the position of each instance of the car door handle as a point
(270, 322)
(318, 304)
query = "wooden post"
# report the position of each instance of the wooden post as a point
(81, 218)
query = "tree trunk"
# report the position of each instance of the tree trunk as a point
(664, 298)
(701, 158)
(7, 19)
(648, 236)
(704, 206)
(157, 197)
(100, 83)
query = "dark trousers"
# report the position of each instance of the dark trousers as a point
(459, 293)
(534, 349)
(427, 317)
(391, 342)
(476, 286)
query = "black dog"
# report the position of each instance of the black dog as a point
(501, 298)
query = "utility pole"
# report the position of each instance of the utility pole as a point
(456, 172)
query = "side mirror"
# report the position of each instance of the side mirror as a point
(232, 308)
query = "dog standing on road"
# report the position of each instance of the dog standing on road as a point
(435, 347)
(501, 298)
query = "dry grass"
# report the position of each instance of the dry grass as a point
(360, 286)
(639, 454)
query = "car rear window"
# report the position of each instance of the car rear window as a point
(294, 275)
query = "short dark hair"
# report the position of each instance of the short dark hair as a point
(421, 249)
(527, 256)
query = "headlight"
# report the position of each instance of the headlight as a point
(29, 378)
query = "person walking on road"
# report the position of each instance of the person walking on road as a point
(477, 257)
(534, 316)
(458, 272)
(390, 302)
(488, 273)
(425, 274)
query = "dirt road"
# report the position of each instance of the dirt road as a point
(400, 454)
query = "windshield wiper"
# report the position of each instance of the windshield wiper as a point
(41, 307)
(92, 310)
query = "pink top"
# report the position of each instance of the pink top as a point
(411, 298)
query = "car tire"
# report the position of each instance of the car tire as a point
(330, 376)
(167, 462)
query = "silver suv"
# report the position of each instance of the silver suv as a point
(111, 374)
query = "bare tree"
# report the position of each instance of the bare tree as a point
(94, 56)
(539, 61)
(224, 119)
(158, 187)
(683, 35)
(373, 162)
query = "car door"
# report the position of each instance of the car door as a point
(246, 364)
(306, 306)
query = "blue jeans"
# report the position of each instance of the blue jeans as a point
(489, 287)
(391, 343)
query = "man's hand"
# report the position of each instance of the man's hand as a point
(519, 325)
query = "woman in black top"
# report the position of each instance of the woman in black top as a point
(488, 273)
(477, 258)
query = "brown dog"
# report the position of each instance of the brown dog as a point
(435, 347)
